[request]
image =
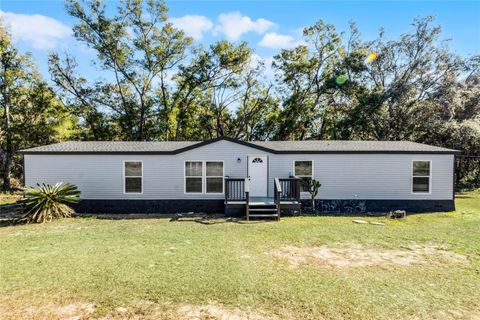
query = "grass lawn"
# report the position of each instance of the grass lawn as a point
(423, 267)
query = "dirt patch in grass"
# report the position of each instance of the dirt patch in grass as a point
(149, 311)
(359, 256)
(71, 311)
(169, 311)
(213, 312)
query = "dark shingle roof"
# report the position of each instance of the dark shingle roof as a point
(171, 147)
(112, 146)
(349, 146)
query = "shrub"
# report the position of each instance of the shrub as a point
(312, 186)
(47, 202)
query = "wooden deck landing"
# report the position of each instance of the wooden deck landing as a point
(259, 201)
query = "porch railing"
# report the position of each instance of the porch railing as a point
(235, 189)
(277, 193)
(290, 188)
(285, 189)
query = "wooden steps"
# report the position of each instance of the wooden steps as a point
(262, 210)
(275, 215)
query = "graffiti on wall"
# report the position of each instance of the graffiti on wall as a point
(336, 206)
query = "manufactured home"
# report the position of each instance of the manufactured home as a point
(253, 178)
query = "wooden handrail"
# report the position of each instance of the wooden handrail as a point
(278, 195)
(278, 186)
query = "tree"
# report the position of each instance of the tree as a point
(156, 85)
(81, 99)
(138, 48)
(219, 80)
(305, 75)
(31, 113)
(12, 75)
(388, 98)
(212, 81)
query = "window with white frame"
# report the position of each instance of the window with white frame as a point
(421, 175)
(193, 176)
(133, 175)
(214, 176)
(204, 173)
(303, 169)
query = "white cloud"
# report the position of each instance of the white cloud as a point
(41, 32)
(193, 25)
(234, 25)
(274, 40)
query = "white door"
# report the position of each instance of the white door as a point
(258, 173)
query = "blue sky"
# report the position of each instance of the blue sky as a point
(41, 26)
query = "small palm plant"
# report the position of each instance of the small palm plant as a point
(47, 202)
(312, 186)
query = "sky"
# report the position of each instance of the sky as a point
(43, 26)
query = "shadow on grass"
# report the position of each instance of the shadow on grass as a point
(205, 219)
(464, 196)
(11, 214)
(230, 220)
(8, 222)
(340, 214)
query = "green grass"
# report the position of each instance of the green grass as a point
(153, 264)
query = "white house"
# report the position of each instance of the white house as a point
(262, 176)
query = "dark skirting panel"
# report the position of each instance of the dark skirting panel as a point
(218, 207)
(352, 206)
(149, 206)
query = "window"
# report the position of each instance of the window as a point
(193, 176)
(257, 160)
(421, 176)
(214, 176)
(304, 170)
(199, 173)
(133, 173)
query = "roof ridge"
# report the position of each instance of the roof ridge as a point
(272, 146)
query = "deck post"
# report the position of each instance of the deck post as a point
(226, 189)
(298, 187)
(247, 198)
(298, 183)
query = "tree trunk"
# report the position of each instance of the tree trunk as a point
(179, 123)
(167, 125)
(7, 155)
(142, 120)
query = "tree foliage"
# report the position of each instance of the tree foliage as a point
(31, 113)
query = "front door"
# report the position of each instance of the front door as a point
(258, 174)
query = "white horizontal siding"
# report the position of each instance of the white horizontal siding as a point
(369, 176)
(101, 176)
